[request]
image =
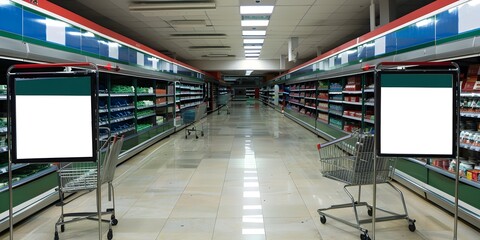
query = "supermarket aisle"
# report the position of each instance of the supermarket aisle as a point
(253, 176)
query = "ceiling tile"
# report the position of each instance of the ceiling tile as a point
(288, 12)
(295, 3)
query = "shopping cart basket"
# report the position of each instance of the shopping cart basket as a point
(192, 117)
(82, 177)
(350, 160)
(223, 100)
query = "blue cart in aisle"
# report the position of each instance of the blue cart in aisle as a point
(223, 100)
(192, 117)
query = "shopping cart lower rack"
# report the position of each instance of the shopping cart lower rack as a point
(82, 177)
(350, 160)
(193, 116)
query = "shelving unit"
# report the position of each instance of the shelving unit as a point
(250, 92)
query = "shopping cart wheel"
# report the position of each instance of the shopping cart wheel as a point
(411, 225)
(364, 236)
(202, 134)
(110, 234)
(369, 211)
(114, 220)
(62, 228)
(56, 237)
(196, 136)
(323, 219)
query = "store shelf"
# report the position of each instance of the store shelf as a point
(164, 95)
(3, 129)
(310, 89)
(3, 149)
(335, 113)
(14, 167)
(335, 101)
(468, 114)
(322, 100)
(353, 103)
(122, 94)
(369, 104)
(352, 92)
(163, 105)
(116, 109)
(297, 103)
(470, 94)
(103, 94)
(123, 131)
(369, 90)
(470, 147)
(322, 89)
(146, 116)
(102, 110)
(117, 120)
(104, 123)
(322, 110)
(353, 118)
(335, 93)
(310, 98)
(310, 107)
(145, 94)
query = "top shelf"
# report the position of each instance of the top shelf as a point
(470, 94)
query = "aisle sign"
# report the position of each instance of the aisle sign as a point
(53, 119)
(415, 114)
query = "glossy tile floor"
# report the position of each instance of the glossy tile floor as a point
(254, 175)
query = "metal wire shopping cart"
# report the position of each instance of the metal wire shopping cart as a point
(193, 116)
(223, 100)
(350, 159)
(82, 177)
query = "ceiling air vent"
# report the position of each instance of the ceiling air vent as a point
(188, 23)
(199, 35)
(209, 47)
(218, 55)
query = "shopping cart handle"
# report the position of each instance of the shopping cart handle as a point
(319, 146)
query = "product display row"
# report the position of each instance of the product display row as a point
(344, 103)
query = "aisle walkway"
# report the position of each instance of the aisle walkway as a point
(254, 175)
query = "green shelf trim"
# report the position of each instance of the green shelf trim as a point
(416, 80)
(58, 86)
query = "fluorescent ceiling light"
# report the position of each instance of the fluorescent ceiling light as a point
(256, 9)
(248, 72)
(253, 41)
(252, 51)
(157, 6)
(252, 54)
(254, 32)
(255, 23)
(252, 47)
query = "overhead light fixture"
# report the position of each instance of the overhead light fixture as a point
(256, 9)
(253, 41)
(254, 32)
(251, 58)
(186, 6)
(252, 54)
(209, 47)
(255, 23)
(252, 47)
(252, 51)
(248, 72)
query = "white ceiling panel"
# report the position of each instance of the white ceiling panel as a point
(295, 3)
(288, 12)
(322, 9)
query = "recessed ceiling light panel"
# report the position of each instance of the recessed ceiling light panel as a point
(255, 23)
(256, 9)
(253, 41)
(254, 32)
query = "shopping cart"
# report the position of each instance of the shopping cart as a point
(223, 100)
(193, 116)
(82, 177)
(350, 160)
